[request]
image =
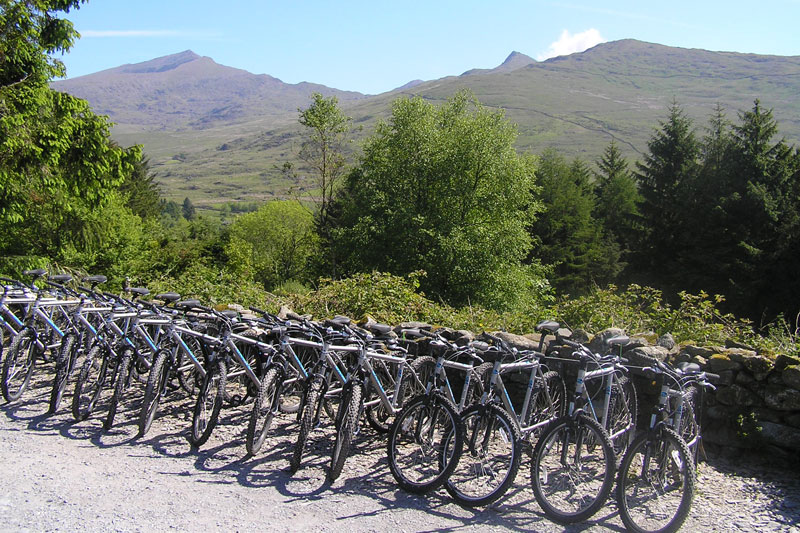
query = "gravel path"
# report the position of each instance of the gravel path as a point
(61, 476)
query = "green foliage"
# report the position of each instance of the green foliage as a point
(30, 34)
(442, 190)
(617, 199)
(274, 244)
(212, 285)
(188, 210)
(140, 190)
(638, 309)
(570, 239)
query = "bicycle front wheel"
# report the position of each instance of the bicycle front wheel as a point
(18, 365)
(573, 469)
(264, 409)
(91, 382)
(156, 386)
(425, 443)
(310, 406)
(656, 483)
(490, 458)
(349, 409)
(209, 403)
(120, 384)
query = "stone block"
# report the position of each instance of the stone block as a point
(784, 360)
(720, 362)
(781, 435)
(758, 365)
(791, 376)
(736, 395)
(782, 398)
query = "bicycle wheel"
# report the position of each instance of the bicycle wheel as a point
(425, 443)
(120, 381)
(573, 469)
(490, 458)
(349, 409)
(689, 428)
(549, 402)
(18, 365)
(308, 412)
(208, 404)
(155, 389)
(189, 378)
(622, 407)
(656, 483)
(91, 382)
(64, 362)
(264, 409)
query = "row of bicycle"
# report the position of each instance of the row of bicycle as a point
(456, 414)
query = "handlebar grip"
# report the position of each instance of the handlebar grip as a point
(257, 310)
(713, 378)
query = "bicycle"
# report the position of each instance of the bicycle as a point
(656, 481)
(495, 430)
(574, 462)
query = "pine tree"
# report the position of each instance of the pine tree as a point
(664, 178)
(617, 198)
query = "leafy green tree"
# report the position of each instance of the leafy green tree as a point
(570, 238)
(274, 244)
(323, 153)
(442, 189)
(31, 32)
(617, 198)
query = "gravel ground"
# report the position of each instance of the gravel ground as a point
(62, 476)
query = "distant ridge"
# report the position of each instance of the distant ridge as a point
(216, 133)
(514, 61)
(189, 90)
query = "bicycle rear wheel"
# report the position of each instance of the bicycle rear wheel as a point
(425, 443)
(64, 362)
(573, 469)
(623, 409)
(656, 483)
(490, 459)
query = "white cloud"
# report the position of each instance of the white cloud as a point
(570, 44)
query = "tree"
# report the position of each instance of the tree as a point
(570, 239)
(189, 212)
(759, 211)
(670, 164)
(617, 198)
(274, 244)
(140, 190)
(442, 189)
(30, 34)
(323, 154)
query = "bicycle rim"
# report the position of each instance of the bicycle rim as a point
(490, 457)
(573, 469)
(656, 483)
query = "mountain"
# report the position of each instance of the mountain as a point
(215, 133)
(514, 61)
(187, 90)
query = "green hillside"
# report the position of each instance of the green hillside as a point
(576, 104)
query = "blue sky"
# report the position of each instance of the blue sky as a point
(375, 46)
